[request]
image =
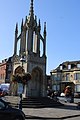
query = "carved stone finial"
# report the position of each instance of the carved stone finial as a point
(22, 25)
(16, 29)
(39, 26)
(31, 9)
(44, 28)
(26, 19)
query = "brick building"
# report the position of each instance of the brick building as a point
(5, 70)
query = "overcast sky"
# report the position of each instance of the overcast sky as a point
(63, 27)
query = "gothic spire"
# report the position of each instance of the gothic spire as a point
(39, 26)
(22, 25)
(25, 19)
(16, 29)
(31, 13)
(44, 28)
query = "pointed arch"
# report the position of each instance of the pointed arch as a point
(35, 85)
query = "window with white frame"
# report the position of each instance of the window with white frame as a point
(52, 77)
(69, 67)
(56, 77)
(56, 87)
(78, 88)
(61, 67)
(77, 76)
(67, 77)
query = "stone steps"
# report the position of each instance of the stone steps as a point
(32, 102)
(13, 100)
(39, 102)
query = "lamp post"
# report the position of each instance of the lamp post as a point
(25, 77)
(22, 61)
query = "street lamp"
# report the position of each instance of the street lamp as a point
(25, 77)
(22, 61)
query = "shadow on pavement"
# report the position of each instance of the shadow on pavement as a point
(47, 118)
(41, 118)
(69, 107)
(62, 106)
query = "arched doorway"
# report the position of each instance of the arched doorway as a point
(35, 85)
(16, 86)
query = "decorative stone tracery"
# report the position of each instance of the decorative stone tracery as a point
(30, 40)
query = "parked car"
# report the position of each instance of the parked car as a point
(5, 88)
(62, 94)
(1, 92)
(9, 113)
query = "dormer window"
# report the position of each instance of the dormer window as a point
(73, 66)
(69, 67)
(64, 66)
(61, 67)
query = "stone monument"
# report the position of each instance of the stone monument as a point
(30, 41)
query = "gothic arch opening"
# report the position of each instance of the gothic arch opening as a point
(41, 48)
(36, 82)
(18, 46)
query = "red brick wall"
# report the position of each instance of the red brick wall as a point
(2, 72)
